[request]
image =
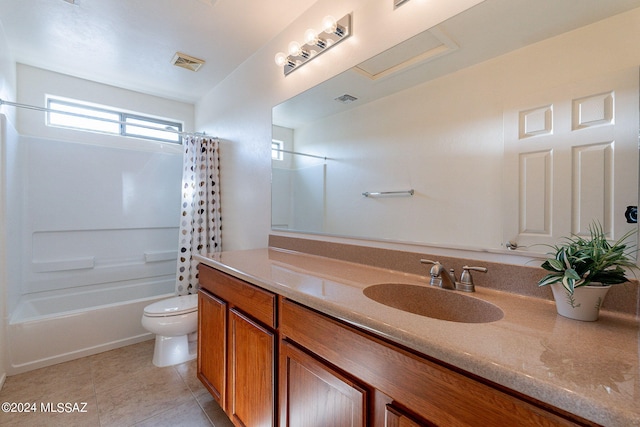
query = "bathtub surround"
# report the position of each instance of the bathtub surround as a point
(53, 327)
(10, 243)
(7, 75)
(95, 218)
(93, 225)
(7, 118)
(200, 221)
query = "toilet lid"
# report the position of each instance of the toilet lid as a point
(173, 306)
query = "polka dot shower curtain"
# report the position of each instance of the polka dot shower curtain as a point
(200, 222)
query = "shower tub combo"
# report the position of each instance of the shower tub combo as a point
(91, 240)
(47, 329)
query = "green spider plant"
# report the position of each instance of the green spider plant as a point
(581, 261)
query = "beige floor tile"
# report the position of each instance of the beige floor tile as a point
(112, 368)
(50, 415)
(141, 396)
(121, 388)
(65, 382)
(188, 414)
(189, 373)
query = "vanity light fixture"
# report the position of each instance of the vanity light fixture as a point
(315, 43)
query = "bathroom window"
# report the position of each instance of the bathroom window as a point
(105, 120)
(276, 149)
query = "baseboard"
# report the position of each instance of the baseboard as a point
(77, 354)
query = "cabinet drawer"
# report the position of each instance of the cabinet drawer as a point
(432, 391)
(250, 299)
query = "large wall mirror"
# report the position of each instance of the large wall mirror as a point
(515, 120)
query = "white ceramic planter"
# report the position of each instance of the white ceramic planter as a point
(584, 304)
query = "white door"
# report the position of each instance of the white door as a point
(571, 157)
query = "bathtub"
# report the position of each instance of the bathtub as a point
(49, 328)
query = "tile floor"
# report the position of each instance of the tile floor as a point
(120, 388)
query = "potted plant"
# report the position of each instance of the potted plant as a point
(582, 271)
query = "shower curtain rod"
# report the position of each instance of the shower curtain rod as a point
(84, 116)
(300, 154)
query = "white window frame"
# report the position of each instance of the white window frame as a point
(96, 118)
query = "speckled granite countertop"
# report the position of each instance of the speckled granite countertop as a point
(591, 369)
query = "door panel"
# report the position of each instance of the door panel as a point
(571, 157)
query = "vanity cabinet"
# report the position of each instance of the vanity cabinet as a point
(406, 389)
(237, 347)
(269, 360)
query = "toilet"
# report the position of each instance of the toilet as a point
(175, 322)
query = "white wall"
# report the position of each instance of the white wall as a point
(239, 109)
(7, 92)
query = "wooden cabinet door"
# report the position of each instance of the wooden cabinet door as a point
(251, 372)
(314, 395)
(212, 345)
(394, 417)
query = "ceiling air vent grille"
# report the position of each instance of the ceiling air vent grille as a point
(346, 98)
(185, 61)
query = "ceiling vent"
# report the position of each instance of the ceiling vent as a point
(346, 98)
(185, 61)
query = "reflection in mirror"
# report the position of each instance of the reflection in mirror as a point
(518, 133)
(298, 186)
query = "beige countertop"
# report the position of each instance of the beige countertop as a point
(591, 369)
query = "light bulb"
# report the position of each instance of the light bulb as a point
(310, 36)
(294, 48)
(329, 24)
(281, 59)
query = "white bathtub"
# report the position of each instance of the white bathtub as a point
(55, 327)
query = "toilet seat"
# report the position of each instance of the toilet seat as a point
(173, 306)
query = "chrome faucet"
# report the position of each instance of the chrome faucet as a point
(447, 279)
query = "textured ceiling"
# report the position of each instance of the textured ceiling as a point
(130, 43)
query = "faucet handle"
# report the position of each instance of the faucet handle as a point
(466, 280)
(436, 269)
